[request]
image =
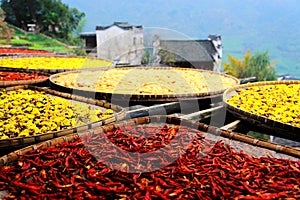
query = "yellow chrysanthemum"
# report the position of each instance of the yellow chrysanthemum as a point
(279, 102)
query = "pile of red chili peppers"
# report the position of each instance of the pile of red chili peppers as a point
(17, 76)
(122, 164)
(22, 51)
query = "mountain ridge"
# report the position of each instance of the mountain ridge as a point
(269, 25)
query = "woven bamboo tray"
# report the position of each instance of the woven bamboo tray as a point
(24, 82)
(119, 114)
(50, 71)
(274, 127)
(251, 146)
(146, 98)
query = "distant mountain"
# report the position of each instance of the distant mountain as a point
(269, 25)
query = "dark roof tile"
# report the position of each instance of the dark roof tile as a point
(122, 25)
(189, 50)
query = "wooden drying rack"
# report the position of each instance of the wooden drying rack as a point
(205, 115)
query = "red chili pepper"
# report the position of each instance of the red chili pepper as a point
(25, 166)
(22, 51)
(25, 186)
(99, 187)
(56, 184)
(175, 192)
(147, 196)
(31, 172)
(204, 170)
(43, 174)
(16, 76)
(89, 196)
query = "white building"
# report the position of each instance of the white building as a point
(124, 44)
(120, 42)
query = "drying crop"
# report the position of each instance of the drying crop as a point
(28, 112)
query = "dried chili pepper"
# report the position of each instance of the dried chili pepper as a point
(205, 170)
(17, 76)
(22, 51)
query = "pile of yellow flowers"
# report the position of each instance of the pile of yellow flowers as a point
(145, 81)
(53, 62)
(27, 112)
(279, 102)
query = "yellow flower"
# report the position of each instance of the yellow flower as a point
(277, 102)
(3, 136)
(53, 63)
(38, 113)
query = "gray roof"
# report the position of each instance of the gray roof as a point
(189, 50)
(87, 34)
(122, 25)
(287, 77)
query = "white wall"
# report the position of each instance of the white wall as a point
(116, 43)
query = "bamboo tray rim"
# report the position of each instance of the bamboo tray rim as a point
(253, 118)
(204, 128)
(17, 141)
(146, 97)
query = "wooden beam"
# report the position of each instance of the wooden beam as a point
(199, 114)
(160, 109)
(231, 125)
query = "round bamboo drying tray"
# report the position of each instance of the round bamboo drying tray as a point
(250, 145)
(24, 82)
(119, 114)
(146, 98)
(52, 71)
(274, 127)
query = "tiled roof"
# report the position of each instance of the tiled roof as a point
(189, 50)
(287, 77)
(122, 25)
(85, 34)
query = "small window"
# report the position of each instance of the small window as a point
(134, 40)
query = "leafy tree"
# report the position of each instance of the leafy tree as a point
(257, 65)
(5, 32)
(51, 17)
(76, 39)
(236, 67)
(261, 67)
(79, 27)
(146, 58)
(167, 57)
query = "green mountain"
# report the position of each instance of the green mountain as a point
(269, 25)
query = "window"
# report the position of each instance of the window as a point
(134, 40)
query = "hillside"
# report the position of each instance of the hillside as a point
(38, 42)
(270, 25)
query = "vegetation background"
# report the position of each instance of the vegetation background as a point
(271, 26)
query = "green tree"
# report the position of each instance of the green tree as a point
(258, 65)
(5, 32)
(167, 57)
(236, 67)
(76, 39)
(261, 67)
(51, 17)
